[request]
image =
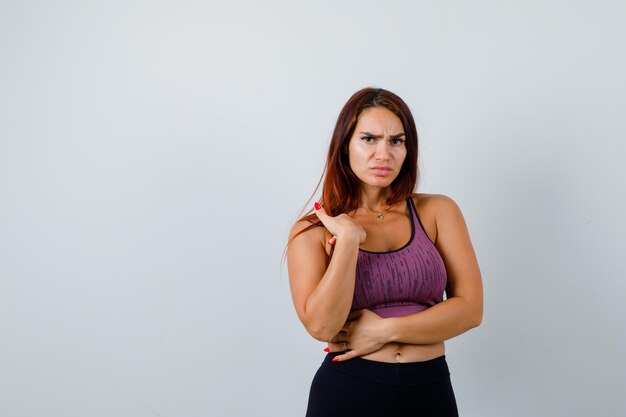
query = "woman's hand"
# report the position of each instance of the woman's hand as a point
(363, 333)
(341, 226)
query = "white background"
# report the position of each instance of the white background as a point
(154, 154)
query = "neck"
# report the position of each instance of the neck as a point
(373, 199)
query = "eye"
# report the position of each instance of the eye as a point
(399, 141)
(365, 138)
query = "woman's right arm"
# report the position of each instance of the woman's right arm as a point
(322, 291)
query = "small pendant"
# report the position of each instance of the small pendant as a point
(380, 216)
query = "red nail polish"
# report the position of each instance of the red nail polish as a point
(335, 359)
(327, 349)
(317, 206)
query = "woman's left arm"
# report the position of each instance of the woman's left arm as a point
(366, 332)
(463, 308)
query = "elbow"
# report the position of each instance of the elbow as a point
(320, 331)
(476, 319)
(474, 313)
(322, 327)
(320, 334)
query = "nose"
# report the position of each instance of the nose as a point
(382, 151)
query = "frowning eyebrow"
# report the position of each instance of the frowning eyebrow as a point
(396, 136)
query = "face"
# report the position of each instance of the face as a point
(377, 148)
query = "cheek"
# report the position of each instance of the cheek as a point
(361, 159)
(356, 155)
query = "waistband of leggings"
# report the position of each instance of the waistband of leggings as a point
(391, 373)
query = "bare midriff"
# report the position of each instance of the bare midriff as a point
(404, 352)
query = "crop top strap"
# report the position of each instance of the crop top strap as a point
(412, 208)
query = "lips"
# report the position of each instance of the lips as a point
(381, 170)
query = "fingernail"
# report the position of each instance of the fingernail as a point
(335, 359)
(327, 349)
(317, 206)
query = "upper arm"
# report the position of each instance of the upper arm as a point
(307, 262)
(454, 244)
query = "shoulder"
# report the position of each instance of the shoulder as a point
(434, 202)
(307, 254)
(438, 211)
(313, 235)
(302, 225)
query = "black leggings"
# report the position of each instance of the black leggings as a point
(362, 388)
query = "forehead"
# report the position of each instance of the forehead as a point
(376, 119)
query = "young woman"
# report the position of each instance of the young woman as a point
(369, 266)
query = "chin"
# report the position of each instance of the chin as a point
(381, 184)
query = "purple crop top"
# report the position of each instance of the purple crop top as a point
(402, 281)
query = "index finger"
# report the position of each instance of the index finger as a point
(318, 208)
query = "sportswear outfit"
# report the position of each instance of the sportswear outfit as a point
(391, 284)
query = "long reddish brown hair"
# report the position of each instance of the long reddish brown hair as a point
(341, 189)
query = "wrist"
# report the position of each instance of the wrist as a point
(348, 239)
(389, 329)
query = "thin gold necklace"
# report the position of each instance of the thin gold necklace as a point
(380, 214)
